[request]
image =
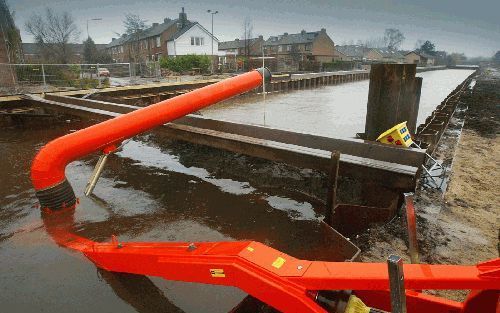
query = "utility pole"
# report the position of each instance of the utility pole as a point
(92, 19)
(212, 34)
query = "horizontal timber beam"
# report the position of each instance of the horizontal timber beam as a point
(384, 173)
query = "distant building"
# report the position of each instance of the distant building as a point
(286, 51)
(419, 58)
(389, 56)
(367, 55)
(170, 38)
(440, 58)
(351, 53)
(237, 46)
(304, 46)
(230, 50)
(33, 54)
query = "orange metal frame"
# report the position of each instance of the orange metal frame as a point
(271, 276)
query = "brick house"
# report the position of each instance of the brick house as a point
(349, 53)
(170, 38)
(304, 46)
(419, 58)
(357, 53)
(388, 56)
(230, 50)
(367, 55)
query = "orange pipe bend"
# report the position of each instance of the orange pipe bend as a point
(48, 167)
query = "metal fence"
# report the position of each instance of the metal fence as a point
(37, 78)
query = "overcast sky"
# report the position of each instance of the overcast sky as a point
(472, 27)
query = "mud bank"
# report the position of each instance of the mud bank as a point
(459, 223)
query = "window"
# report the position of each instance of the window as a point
(308, 47)
(197, 41)
(158, 42)
(289, 48)
(280, 48)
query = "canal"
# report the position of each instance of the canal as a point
(158, 190)
(335, 111)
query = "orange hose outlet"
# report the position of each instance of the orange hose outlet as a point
(48, 167)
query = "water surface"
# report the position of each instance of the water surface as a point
(335, 111)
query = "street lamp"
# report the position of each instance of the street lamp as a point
(92, 19)
(212, 34)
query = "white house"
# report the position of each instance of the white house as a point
(193, 39)
(170, 38)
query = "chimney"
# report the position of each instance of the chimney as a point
(285, 34)
(155, 24)
(237, 39)
(182, 19)
(261, 37)
(303, 32)
(166, 20)
(113, 39)
(323, 30)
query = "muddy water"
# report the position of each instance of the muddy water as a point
(334, 111)
(163, 191)
(148, 191)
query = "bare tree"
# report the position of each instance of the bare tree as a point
(393, 38)
(419, 43)
(10, 33)
(247, 35)
(53, 32)
(375, 42)
(134, 28)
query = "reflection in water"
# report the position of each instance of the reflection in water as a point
(140, 292)
(150, 156)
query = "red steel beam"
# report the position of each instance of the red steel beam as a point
(271, 276)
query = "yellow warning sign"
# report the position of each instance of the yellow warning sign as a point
(217, 272)
(278, 263)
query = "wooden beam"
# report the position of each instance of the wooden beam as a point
(354, 147)
(384, 173)
(331, 198)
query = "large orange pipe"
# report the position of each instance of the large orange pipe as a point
(48, 167)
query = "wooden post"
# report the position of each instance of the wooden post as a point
(391, 98)
(418, 91)
(331, 197)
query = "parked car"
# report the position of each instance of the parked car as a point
(103, 72)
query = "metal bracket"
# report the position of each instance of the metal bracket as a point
(96, 174)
